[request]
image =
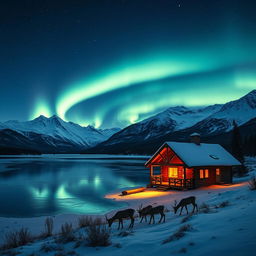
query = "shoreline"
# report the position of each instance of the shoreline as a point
(150, 196)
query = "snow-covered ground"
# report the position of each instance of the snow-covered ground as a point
(228, 230)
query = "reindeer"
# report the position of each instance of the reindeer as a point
(155, 210)
(143, 212)
(128, 213)
(184, 202)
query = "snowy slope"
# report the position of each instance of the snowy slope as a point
(241, 110)
(170, 120)
(177, 123)
(183, 117)
(59, 131)
(226, 228)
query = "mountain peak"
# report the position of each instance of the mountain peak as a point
(40, 118)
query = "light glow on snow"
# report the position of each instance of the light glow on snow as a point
(141, 195)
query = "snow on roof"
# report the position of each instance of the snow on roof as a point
(203, 154)
(194, 134)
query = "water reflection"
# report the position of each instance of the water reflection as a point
(35, 187)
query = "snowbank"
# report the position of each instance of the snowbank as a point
(225, 228)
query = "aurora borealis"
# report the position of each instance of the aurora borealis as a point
(112, 63)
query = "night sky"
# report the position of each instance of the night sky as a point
(112, 63)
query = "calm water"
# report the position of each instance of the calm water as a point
(49, 185)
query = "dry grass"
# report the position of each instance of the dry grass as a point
(97, 234)
(252, 183)
(178, 234)
(126, 233)
(86, 221)
(48, 226)
(47, 247)
(18, 238)
(204, 208)
(186, 218)
(66, 234)
(224, 204)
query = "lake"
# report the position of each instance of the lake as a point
(60, 184)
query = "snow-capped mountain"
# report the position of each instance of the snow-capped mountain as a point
(176, 123)
(55, 132)
(241, 111)
(170, 120)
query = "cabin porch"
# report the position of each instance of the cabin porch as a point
(173, 177)
(157, 180)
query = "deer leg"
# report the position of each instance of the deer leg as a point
(118, 224)
(186, 208)
(160, 218)
(164, 217)
(181, 210)
(196, 207)
(141, 219)
(150, 219)
(146, 218)
(153, 219)
(132, 222)
(122, 223)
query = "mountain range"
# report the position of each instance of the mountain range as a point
(214, 123)
(53, 135)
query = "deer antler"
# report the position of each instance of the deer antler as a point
(140, 207)
(175, 204)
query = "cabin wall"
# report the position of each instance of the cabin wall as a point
(226, 174)
(165, 173)
(189, 173)
(205, 181)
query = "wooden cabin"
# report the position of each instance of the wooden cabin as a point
(179, 165)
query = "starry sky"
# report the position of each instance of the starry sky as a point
(111, 63)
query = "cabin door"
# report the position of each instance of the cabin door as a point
(218, 175)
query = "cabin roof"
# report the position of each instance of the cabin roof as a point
(200, 155)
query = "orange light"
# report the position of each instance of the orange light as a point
(145, 194)
(225, 186)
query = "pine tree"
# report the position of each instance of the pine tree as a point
(237, 149)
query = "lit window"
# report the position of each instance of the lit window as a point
(204, 174)
(217, 171)
(173, 172)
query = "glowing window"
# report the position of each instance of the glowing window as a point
(217, 171)
(201, 173)
(206, 173)
(173, 172)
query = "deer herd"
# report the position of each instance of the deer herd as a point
(151, 211)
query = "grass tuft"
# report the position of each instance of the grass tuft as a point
(48, 226)
(204, 208)
(178, 234)
(14, 239)
(252, 183)
(66, 234)
(186, 218)
(97, 234)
